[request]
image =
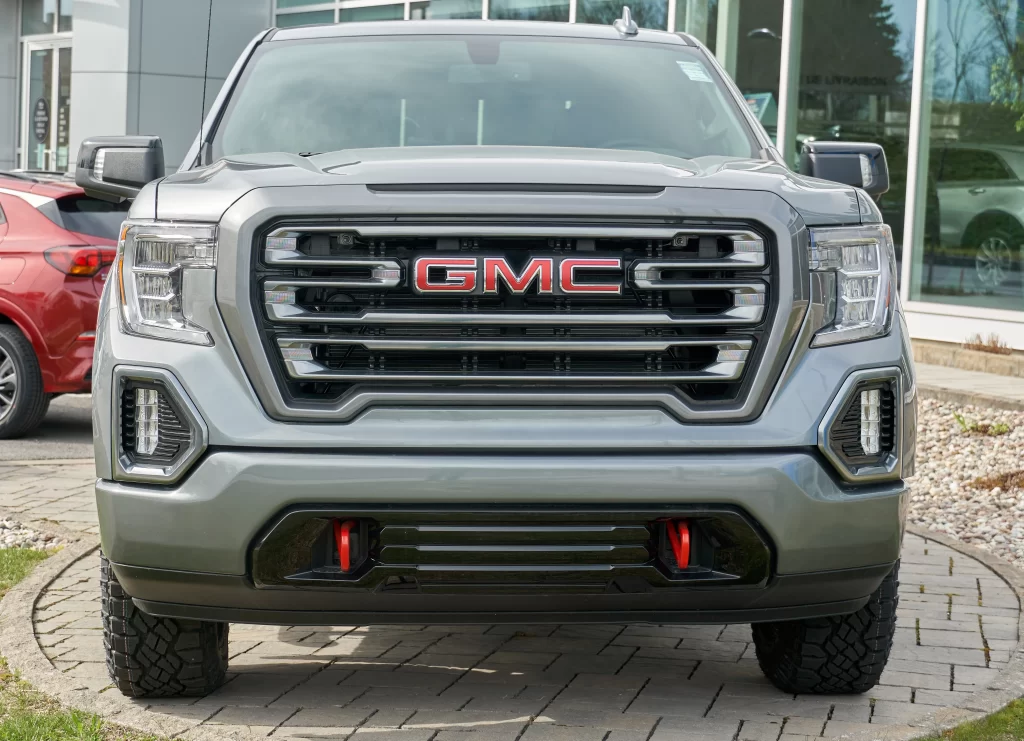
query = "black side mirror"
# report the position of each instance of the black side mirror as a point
(854, 163)
(115, 168)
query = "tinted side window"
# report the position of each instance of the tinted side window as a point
(91, 216)
(969, 164)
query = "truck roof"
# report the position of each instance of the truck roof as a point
(473, 28)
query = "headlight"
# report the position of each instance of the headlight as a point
(155, 261)
(860, 265)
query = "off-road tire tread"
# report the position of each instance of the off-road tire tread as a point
(32, 402)
(844, 654)
(158, 657)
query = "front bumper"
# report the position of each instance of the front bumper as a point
(188, 551)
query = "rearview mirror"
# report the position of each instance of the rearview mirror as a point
(115, 168)
(859, 164)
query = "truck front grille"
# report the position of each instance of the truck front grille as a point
(347, 306)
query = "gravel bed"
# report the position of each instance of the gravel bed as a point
(15, 535)
(946, 494)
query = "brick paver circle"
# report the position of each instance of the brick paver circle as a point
(957, 628)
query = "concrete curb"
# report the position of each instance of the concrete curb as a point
(24, 655)
(1008, 687)
(953, 396)
(50, 462)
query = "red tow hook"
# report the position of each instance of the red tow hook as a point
(342, 530)
(679, 538)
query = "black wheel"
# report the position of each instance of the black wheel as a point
(22, 401)
(158, 657)
(835, 655)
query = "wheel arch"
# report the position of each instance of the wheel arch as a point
(12, 315)
(993, 218)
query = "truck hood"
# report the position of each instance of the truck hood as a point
(204, 194)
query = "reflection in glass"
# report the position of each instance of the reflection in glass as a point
(446, 9)
(63, 115)
(483, 90)
(531, 10)
(758, 55)
(37, 16)
(64, 20)
(970, 234)
(699, 18)
(855, 85)
(372, 13)
(646, 13)
(286, 20)
(39, 118)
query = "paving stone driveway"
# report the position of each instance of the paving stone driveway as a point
(957, 627)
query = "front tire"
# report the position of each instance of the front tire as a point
(158, 657)
(23, 403)
(835, 655)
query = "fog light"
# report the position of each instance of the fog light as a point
(154, 430)
(860, 433)
(870, 422)
(147, 421)
(159, 433)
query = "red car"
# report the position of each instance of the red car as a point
(56, 247)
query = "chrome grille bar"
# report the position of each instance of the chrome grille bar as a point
(374, 342)
(748, 248)
(301, 365)
(748, 308)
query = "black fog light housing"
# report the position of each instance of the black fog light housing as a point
(861, 432)
(158, 431)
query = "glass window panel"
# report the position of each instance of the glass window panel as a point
(63, 122)
(282, 4)
(758, 45)
(38, 16)
(969, 240)
(482, 90)
(372, 13)
(699, 18)
(646, 13)
(446, 9)
(286, 20)
(38, 118)
(531, 10)
(64, 22)
(855, 85)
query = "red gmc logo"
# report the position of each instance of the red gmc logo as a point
(546, 275)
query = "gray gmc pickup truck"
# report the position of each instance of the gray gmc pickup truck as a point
(470, 321)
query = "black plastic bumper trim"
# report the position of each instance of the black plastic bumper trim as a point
(225, 598)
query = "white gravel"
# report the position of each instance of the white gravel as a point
(944, 496)
(15, 535)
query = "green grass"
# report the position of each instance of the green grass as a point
(15, 563)
(28, 715)
(1006, 725)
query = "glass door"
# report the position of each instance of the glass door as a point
(46, 105)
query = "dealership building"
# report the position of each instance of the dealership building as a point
(939, 83)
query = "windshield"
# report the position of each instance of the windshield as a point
(323, 95)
